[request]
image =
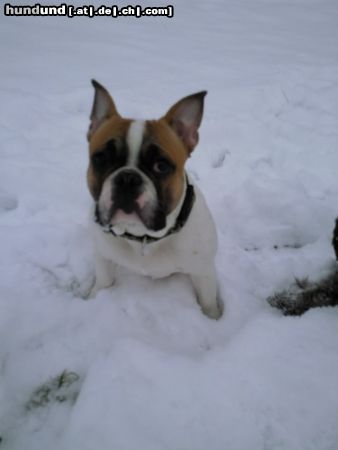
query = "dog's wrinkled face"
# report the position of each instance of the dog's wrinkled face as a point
(136, 168)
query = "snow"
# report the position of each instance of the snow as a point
(149, 370)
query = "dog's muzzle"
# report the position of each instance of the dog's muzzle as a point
(180, 220)
(127, 188)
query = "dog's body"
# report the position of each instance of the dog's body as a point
(149, 216)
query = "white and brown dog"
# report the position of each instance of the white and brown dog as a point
(148, 216)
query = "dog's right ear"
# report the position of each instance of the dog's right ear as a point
(103, 108)
(185, 118)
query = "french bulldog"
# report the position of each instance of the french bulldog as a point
(148, 216)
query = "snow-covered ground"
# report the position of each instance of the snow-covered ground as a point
(139, 367)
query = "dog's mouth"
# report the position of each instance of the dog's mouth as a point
(121, 217)
(119, 212)
(127, 214)
(132, 217)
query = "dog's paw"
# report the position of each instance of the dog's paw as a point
(98, 287)
(214, 312)
(93, 292)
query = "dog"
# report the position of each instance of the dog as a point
(148, 216)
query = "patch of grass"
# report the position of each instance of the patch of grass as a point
(65, 387)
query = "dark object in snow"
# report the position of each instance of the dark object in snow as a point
(303, 295)
(62, 388)
(335, 239)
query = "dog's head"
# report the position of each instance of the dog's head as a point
(136, 167)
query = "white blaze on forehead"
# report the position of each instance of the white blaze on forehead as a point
(134, 140)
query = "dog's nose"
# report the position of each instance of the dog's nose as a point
(128, 178)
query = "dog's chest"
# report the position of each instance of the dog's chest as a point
(191, 250)
(156, 261)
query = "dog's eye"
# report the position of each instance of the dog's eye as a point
(99, 159)
(104, 157)
(110, 147)
(162, 166)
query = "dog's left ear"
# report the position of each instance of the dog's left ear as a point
(185, 118)
(103, 108)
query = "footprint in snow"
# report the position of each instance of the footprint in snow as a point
(219, 158)
(7, 202)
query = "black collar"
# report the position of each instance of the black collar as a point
(179, 224)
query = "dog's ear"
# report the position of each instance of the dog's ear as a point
(103, 108)
(185, 117)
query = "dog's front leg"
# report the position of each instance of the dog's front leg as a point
(206, 289)
(105, 271)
